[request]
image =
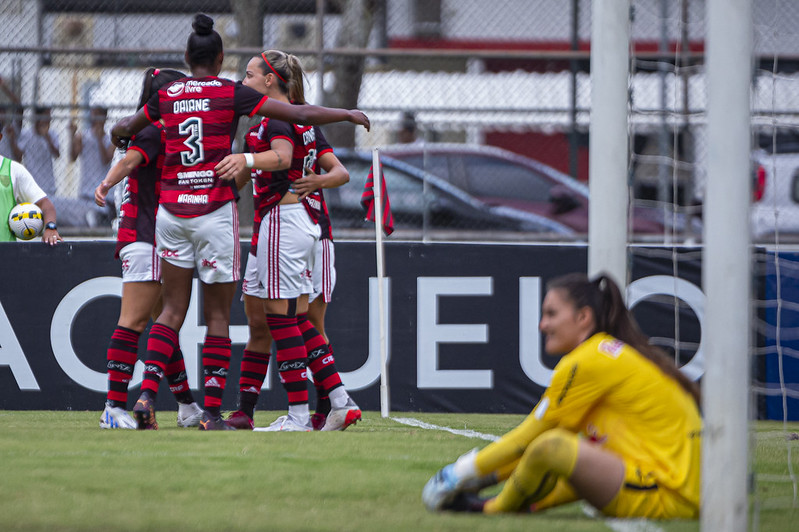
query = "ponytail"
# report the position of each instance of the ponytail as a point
(296, 81)
(603, 297)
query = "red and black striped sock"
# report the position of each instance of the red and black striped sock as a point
(216, 363)
(320, 358)
(160, 346)
(178, 379)
(291, 357)
(253, 373)
(322, 397)
(121, 358)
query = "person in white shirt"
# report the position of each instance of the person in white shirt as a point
(18, 186)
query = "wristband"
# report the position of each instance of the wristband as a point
(249, 160)
(51, 225)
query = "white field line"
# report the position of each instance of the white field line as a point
(422, 425)
(618, 525)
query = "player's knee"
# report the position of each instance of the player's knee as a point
(259, 332)
(552, 450)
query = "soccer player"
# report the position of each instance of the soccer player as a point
(277, 282)
(619, 425)
(141, 272)
(18, 186)
(197, 224)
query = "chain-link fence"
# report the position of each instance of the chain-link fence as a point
(513, 74)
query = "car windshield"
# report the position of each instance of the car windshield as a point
(484, 176)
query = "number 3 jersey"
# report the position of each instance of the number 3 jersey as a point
(200, 116)
(270, 187)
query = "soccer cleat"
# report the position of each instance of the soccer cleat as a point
(210, 422)
(239, 420)
(189, 415)
(318, 420)
(114, 417)
(341, 418)
(286, 424)
(144, 410)
(441, 490)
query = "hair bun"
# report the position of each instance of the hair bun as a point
(203, 24)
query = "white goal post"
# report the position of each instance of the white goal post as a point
(726, 266)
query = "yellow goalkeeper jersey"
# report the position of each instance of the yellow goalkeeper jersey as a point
(616, 397)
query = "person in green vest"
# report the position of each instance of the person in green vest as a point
(18, 186)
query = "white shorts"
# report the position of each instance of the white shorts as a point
(285, 252)
(249, 285)
(324, 270)
(209, 243)
(140, 263)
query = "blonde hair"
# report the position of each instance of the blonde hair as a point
(288, 71)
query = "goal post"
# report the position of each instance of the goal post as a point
(607, 150)
(726, 266)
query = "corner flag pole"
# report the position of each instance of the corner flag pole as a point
(381, 301)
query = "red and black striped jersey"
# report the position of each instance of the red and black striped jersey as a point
(260, 184)
(140, 198)
(315, 202)
(200, 116)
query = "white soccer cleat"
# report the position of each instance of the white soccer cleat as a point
(114, 417)
(441, 490)
(341, 418)
(286, 424)
(189, 415)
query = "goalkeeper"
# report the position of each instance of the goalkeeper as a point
(619, 425)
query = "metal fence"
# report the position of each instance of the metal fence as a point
(512, 74)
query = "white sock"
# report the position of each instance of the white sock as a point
(465, 467)
(338, 397)
(300, 413)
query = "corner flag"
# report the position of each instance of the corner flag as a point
(368, 203)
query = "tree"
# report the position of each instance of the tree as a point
(356, 24)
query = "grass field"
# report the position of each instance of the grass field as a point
(61, 472)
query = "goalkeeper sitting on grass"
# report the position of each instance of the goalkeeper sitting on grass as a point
(619, 425)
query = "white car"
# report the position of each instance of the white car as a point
(775, 201)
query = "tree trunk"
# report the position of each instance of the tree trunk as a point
(356, 25)
(249, 15)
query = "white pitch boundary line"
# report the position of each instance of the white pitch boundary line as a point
(619, 525)
(422, 425)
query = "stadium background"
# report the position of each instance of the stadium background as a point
(512, 74)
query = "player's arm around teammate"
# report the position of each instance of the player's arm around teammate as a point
(619, 425)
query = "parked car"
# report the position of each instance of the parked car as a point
(502, 178)
(775, 202)
(420, 199)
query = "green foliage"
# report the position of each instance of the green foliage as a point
(62, 473)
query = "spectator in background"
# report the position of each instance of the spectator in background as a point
(93, 146)
(11, 116)
(37, 148)
(18, 186)
(407, 133)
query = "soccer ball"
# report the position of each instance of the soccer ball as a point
(26, 221)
